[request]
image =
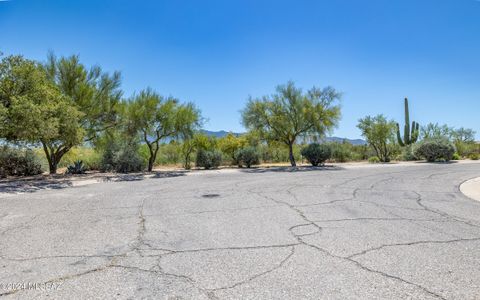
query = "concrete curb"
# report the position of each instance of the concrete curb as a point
(471, 188)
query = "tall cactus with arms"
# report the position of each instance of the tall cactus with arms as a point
(410, 135)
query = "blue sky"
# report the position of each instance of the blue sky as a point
(217, 53)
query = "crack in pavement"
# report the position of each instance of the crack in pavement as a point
(412, 244)
(139, 245)
(370, 270)
(278, 266)
(356, 263)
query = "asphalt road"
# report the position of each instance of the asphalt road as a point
(382, 232)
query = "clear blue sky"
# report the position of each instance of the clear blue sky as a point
(217, 53)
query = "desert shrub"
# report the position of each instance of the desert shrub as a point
(317, 154)
(77, 168)
(208, 159)
(128, 160)
(16, 162)
(456, 156)
(374, 160)
(474, 156)
(341, 153)
(407, 154)
(435, 149)
(122, 158)
(247, 156)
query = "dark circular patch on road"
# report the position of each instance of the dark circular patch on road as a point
(210, 195)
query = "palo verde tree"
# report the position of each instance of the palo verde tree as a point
(230, 144)
(290, 113)
(410, 134)
(94, 93)
(379, 133)
(157, 118)
(35, 111)
(97, 94)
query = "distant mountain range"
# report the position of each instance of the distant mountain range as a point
(334, 139)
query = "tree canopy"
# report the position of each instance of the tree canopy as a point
(58, 105)
(290, 113)
(380, 134)
(35, 111)
(156, 118)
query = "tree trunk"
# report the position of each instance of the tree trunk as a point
(52, 167)
(291, 157)
(153, 155)
(52, 161)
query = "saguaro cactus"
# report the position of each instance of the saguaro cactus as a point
(410, 135)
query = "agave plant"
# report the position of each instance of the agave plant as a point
(76, 168)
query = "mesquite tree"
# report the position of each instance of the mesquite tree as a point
(290, 113)
(34, 110)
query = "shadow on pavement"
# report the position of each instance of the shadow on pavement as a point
(15, 185)
(292, 169)
(30, 186)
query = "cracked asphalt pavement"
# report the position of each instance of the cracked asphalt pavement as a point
(372, 232)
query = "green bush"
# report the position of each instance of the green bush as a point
(374, 160)
(474, 156)
(15, 162)
(208, 159)
(317, 154)
(341, 153)
(435, 149)
(407, 154)
(76, 168)
(456, 156)
(247, 156)
(122, 159)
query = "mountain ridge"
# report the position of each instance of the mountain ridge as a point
(334, 139)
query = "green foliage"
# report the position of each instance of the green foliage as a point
(379, 133)
(247, 156)
(435, 149)
(464, 140)
(208, 159)
(436, 131)
(34, 110)
(410, 136)
(128, 160)
(374, 160)
(290, 113)
(122, 158)
(407, 154)
(464, 135)
(155, 118)
(95, 93)
(341, 152)
(16, 162)
(230, 144)
(317, 154)
(456, 156)
(474, 156)
(76, 168)
(89, 156)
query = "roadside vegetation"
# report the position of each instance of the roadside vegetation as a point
(63, 114)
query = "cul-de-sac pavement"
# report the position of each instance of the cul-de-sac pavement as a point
(367, 232)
